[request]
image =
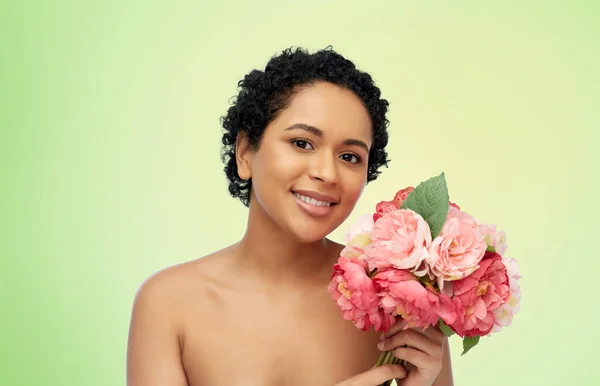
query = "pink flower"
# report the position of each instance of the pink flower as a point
(477, 296)
(399, 239)
(421, 306)
(458, 249)
(389, 206)
(382, 208)
(401, 195)
(505, 313)
(356, 295)
(493, 238)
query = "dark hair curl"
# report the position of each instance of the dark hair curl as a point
(263, 94)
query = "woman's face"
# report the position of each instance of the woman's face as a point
(311, 166)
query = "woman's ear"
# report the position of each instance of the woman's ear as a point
(243, 156)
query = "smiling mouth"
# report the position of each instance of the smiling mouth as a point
(312, 201)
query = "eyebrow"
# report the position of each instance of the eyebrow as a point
(319, 133)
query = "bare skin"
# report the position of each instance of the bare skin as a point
(247, 333)
(258, 312)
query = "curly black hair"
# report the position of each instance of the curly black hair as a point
(263, 94)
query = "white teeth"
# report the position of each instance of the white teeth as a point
(312, 201)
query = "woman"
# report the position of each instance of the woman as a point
(301, 141)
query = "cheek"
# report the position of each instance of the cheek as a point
(354, 194)
(287, 166)
(276, 169)
(353, 189)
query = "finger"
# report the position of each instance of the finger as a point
(434, 333)
(413, 339)
(376, 376)
(418, 358)
(396, 328)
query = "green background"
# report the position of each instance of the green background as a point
(110, 164)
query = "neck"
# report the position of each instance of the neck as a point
(266, 251)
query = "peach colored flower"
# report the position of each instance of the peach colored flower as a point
(389, 206)
(493, 238)
(478, 295)
(364, 224)
(419, 305)
(356, 295)
(505, 313)
(458, 249)
(399, 239)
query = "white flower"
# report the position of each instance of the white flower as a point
(493, 238)
(504, 314)
(364, 224)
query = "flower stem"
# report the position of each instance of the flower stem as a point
(389, 357)
(385, 358)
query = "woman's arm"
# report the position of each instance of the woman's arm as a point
(153, 352)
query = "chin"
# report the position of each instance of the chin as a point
(309, 233)
(308, 237)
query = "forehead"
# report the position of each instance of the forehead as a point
(338, 112)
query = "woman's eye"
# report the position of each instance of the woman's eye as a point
(351, 158)
(305, 145)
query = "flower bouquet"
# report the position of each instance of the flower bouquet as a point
(420, 257)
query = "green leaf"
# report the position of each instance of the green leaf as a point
(469, 343)
(430, 199)
(447, 331)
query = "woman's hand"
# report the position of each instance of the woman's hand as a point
(376, 376)
(422, 349)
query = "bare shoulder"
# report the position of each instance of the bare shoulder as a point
(158, 318)
(170, 288)
(160, 287)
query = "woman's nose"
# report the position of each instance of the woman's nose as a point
(323, 168)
